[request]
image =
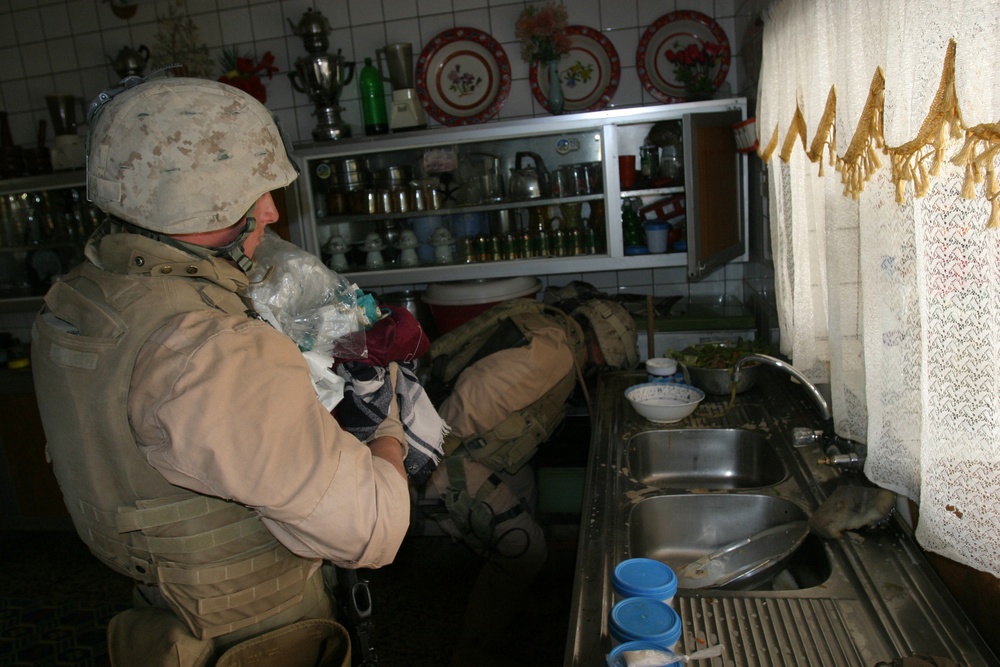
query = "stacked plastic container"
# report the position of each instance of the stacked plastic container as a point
(643, 617)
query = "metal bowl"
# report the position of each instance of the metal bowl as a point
(718, 380)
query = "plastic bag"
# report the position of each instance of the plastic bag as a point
(314, 306)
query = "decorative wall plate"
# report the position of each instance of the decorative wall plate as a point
(463, 76)
(675, 31)
(589, 73)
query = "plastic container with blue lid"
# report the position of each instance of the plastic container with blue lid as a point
(645, 619)
(644, 577)
(616, 659)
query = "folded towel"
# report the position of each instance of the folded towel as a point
(367, 398)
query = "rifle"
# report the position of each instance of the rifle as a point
(355, 602)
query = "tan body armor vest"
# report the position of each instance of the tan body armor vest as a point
(215, 563)
(511, 443)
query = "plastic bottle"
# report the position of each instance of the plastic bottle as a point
(372, 100)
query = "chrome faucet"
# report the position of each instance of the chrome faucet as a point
(817, 397)
(832, 445)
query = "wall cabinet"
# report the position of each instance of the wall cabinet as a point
(537, 196)
(524, 197)
(44, 223)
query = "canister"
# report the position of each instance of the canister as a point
(645, 619)
(656, 235)
(616, 659)
(644, 577)
(663, 369)
(649, 160)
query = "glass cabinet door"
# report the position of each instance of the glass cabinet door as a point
(451, 204)
(525, 197)
(44, 224)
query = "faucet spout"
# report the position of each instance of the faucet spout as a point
(817, 397)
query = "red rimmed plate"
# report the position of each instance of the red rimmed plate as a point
(463, 77)
(589, 73)
(675, 31)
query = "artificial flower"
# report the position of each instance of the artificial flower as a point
(241, 72)
(542, 32)
(695, 66)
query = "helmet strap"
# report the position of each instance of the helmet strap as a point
(232, 250)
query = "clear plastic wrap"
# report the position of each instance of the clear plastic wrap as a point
(314, 306)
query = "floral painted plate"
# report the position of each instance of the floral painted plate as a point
(589, 73)
(673, 34)
(463, 77)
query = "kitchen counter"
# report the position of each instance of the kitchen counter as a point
(867, 597)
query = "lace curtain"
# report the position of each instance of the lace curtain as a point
(879, 123)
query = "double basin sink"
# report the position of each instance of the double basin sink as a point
(680, 493)
(680, 529)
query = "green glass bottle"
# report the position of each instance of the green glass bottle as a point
(372, 100)
(633, 237)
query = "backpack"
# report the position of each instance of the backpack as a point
(512, 442)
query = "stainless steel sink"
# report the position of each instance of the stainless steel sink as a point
(714, 458)
(680, 529)
(652, 492)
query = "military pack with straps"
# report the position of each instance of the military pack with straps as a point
(512, 442)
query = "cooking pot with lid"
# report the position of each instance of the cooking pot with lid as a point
(398, 176)
(529, 182)
(353, 175)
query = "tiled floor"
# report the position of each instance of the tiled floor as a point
(56, 599)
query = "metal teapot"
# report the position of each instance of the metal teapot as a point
(129, 61)
(314, 29)
(529, 182)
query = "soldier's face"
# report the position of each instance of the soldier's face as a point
(265, 212)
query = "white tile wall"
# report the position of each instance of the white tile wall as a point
(65, 47)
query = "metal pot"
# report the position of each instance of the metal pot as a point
(413, 302)
(352, 175)
(529, 182)
(393, 177)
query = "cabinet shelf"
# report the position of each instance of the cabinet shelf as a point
(49, 245)
(504, 205)
(654, 192)
(475, 270)
(55, 181)
(714, 190)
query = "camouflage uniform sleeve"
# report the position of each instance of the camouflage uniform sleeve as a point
(224, 406)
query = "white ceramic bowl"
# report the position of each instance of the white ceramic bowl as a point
(664, 403)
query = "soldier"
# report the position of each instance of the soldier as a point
(191, 449)
(507, 376)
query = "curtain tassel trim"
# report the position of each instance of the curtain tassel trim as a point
(917, 161)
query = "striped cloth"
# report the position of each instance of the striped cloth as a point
(367, 398)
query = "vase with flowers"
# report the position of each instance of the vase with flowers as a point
(695, 66)
(245, 72)
(542, 31)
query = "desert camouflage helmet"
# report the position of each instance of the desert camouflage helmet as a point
(179, 155)
(614, 329)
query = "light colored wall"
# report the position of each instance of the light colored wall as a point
(65, 47)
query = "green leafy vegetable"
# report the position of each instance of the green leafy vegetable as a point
(721, 354)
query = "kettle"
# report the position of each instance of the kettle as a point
(314, 29)
(529, 182)
(129, 61)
